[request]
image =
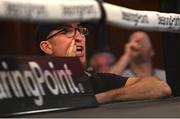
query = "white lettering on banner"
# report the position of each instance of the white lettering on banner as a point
(135, 17)
(86, 10)
(170, 21)
(16, 83)
(38, 74)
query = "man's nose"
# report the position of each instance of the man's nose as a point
(78, 36)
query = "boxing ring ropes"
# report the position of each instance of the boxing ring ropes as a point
(92, 10)
(88, 10)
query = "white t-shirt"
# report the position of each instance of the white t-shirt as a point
(159, 73)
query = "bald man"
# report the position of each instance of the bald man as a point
(138, 55)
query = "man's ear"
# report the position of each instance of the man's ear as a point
(46, 47)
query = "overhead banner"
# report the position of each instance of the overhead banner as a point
(46, 10)
(140, 19)
(40, 84)
(88, 10)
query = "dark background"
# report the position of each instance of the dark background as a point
(171, 42)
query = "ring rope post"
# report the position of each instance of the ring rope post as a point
(103, 39)
(103, 12)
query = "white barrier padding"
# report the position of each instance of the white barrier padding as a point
(88, 10)
(147, 20)
(50, 10)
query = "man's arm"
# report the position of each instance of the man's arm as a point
(131, 50)
(136, 89)
(120, 65)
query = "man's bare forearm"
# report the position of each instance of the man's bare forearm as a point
(120, 65)
(136, 89)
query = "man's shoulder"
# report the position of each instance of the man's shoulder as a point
(160, 70)
(160, 73)
(128, 73)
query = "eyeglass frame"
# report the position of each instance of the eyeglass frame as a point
(75, 30)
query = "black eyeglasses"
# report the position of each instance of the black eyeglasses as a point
(70, 32)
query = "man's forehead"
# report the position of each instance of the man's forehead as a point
(139, 34)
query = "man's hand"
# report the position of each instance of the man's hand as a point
(132, 49)
(71, 51)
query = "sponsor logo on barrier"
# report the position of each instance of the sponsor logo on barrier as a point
(24, 10)
(38, 83)
(136, 18)
(170, 21)
(57, 81)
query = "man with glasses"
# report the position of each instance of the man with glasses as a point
(63, 40)
(70, 39)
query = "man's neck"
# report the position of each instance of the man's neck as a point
(144, 69)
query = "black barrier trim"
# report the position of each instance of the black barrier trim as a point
(103, 38)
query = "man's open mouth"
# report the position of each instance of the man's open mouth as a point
(79, 50)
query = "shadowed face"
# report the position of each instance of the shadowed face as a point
(146, 51)
(102, 62)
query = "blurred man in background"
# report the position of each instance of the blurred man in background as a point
(136, 60)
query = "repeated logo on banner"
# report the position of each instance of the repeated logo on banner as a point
(28, 10)
(135, 18)
(141, 20)
(37, 84)
(58, 10)
(78, 10)
(168, 21)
